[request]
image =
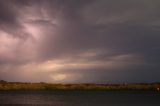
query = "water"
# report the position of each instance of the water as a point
(79, 98)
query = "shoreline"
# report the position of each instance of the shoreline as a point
(50, 86)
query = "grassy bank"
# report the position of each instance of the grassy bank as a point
(49, 86)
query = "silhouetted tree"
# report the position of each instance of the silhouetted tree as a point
(2, 81)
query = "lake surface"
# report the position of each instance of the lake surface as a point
(79, 98)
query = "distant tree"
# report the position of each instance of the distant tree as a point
(2, 81)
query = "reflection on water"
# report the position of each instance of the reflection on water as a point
(80, 98)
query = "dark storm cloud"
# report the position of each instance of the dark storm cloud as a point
(8, 15)
(81, 41)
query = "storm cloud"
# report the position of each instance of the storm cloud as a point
(77, 41)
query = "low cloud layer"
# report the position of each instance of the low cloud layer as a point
(92, 41)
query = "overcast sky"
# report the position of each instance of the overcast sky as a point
(80, 41)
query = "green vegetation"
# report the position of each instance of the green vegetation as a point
(48, 86)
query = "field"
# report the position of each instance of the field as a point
(49, 86)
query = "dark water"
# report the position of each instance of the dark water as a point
(79, 98)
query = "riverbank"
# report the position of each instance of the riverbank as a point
(50, 86)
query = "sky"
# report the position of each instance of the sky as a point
(80, 41)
